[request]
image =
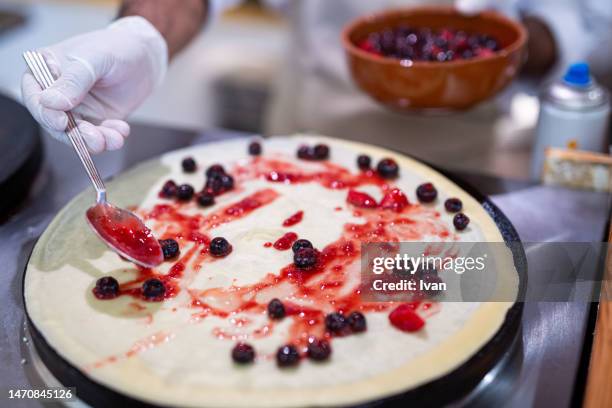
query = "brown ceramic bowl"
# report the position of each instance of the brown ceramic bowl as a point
(435, 86)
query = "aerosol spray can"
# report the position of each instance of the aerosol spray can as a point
(574, 113)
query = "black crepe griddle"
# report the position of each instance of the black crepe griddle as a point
(20, 154)
(451, 387)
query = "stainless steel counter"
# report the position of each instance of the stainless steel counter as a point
(543, 370)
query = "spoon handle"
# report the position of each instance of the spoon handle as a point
(42, 74)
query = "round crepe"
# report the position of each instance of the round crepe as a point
(163, 355)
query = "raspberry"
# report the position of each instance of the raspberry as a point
(406, 319)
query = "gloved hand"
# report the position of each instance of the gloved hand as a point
(471, 7)
(102, 76)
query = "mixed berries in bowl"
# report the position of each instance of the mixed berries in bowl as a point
(433, 58)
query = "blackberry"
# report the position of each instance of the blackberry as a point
(106, 288)
(276, 309)
(170, 248)
(243, 353)
(189, 165)
(453, 205)
(301, 243)
(220, 247)
(364, 162)
(287, 356)
(184, 192)
(426, 193)
(387, 169)
(153, 289)
(318, 350)
(461, 221)
(357, 322)
(305, 258)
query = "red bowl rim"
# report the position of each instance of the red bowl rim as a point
(350, 47)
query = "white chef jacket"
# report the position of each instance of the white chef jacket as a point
(316, 94)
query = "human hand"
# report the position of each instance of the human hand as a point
(102, 76)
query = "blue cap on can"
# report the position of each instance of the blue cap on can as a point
(578, 74)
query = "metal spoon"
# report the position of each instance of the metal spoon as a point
(120, 229)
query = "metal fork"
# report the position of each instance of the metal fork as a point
(37, 65)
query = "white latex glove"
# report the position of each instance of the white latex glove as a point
(102, 76)
(471, 7)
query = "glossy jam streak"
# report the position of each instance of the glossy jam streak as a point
(125, 233)
(285, 242)
(294, 219)
(333, 284)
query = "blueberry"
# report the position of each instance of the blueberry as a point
(429, 279)
(321, 152)
(318, 350)
(453, 205)
(153, 289)
(336, 323)
(168, 190)
(184, 192)
(276, 309)
(215, 169)
(426, 193)
(243, 353)
(106, 288)
(254, 148)
(189, 165)
(206, 199)
(305, 258)
(287, 356)
(301, 243)
(305, 152)
(227, 182)
(219, 247)
(214, 184)
(387, 169)
(364, 162)
(461, 221)
(357, 322)
(170, 248)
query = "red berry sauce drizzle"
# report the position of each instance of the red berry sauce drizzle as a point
(330, 286)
